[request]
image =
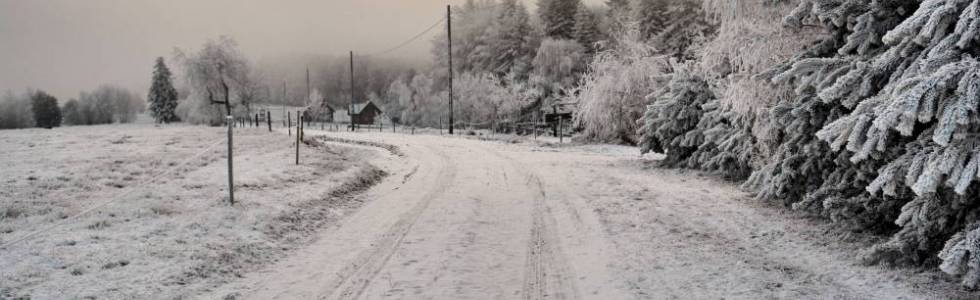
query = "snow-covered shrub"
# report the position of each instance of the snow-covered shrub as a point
(612, 94)
(480, 98)
(891, 96)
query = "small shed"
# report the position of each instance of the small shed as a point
(365, 113)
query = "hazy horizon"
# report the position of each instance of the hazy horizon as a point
(65, 47)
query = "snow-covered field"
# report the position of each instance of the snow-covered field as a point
(162, 227)
(458, 217)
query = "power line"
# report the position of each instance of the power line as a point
(409, 41)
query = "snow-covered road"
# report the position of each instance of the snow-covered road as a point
(466, 219)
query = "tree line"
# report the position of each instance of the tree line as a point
(36, 108)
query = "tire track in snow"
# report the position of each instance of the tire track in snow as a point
(353, 280)
(546, 271)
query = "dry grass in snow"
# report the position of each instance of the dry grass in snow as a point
(166, 238)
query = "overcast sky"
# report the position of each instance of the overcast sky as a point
(67, 46)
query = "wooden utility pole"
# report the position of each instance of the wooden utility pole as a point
(350, 110)
(308, 92)
(298, 125)
(231, 180)
(284, 104)
(449, 37)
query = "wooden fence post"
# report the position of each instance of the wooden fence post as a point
(561, 130)
(268, 119)
(298, 138)
(289, 122)
(231, 179)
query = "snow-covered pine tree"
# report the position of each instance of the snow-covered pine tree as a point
(587, 31)
(729, 145)
(670, 124)
(163, 95)
(650, 16)
(512, 40)
(472, 25)
(617, 15)
(685, 26)
(899, 83)
(47, 114)
(746, 41)
(558, 17)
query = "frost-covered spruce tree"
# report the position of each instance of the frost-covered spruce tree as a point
(906, 83)
(163, 95)
(749, 39)
(729, 145)
(802, 166)
(670, 124)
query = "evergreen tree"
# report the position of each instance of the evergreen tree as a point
(558, 17)
(512, 41)
(46, 111)
(685, 25)
(650, 16)
(616, 16)
(670, 122)
(891, 101)
(617, 8)
(473, 23)
(587, 31)
(163, 95)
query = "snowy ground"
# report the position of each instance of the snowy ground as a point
(461, 218)
(164, 238)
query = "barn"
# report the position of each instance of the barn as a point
(365, 113)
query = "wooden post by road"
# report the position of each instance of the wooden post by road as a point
(561, 130)
(449, 42)
(268, 119)
(289, 122)
(298, 138)
(231, 181)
